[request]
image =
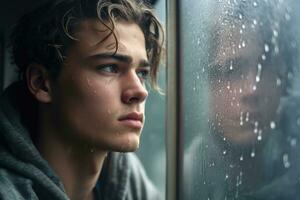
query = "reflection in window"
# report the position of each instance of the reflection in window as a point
(242, 123)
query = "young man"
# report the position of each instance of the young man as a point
(84, 65)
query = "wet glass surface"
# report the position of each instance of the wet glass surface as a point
(241, 103)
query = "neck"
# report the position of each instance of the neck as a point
(78, 165)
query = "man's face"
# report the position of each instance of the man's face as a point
(99, 97)
(245, 89)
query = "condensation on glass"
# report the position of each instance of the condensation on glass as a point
(241, 103)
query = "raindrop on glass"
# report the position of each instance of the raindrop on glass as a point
(257, 78)
(247, 117)
(252, 154)
(276, 49)
(278, 82)
(226, 176)
(286, 162)
(287, 17)
(293, 142)
(240, 16)
(243, 44)
(298, 121)
(259, 137)
(267, 49)
(254, 88)
(275, 33)
(272, 125)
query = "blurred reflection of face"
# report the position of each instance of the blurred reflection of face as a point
(245, 89)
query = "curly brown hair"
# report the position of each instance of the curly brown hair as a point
(44, 35)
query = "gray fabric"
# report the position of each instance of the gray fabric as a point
(25, 175)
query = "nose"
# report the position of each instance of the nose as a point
(134, 90)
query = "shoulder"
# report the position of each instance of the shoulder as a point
(140, 184)
(127, 177)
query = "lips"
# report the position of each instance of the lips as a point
(132, 120)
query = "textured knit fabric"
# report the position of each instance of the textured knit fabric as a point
(25, 175)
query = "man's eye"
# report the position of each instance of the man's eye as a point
(143, 74)
(108, 68)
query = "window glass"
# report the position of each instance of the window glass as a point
(152, 148)
(241, 105)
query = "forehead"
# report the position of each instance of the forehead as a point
(93, 35)
(234, 42)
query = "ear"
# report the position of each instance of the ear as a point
(38, 82)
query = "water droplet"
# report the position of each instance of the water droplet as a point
(231, 65)
(240, 16)
(247, 117)
(241, 158)
(224, 152)
(286, 162)
(259, 138)
(243, 44)
(275, 33)
(298, 121)
(263, 57)
(276, 49)
(272, 125)
(259, 66)
(226, 176)
(241, 31)
(252, 154)
(278, 82)
(240, 90)
(257, 78)
(267, 49)
(287, 17)
(254, 22)
(242, 119)
(254, 88)
(243, 26)
(293, 142)
(240, 46)
(255, 4)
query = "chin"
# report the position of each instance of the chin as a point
(129, 143)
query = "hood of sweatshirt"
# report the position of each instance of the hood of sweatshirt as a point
(18, 154)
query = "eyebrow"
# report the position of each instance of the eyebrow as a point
(119, 57)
